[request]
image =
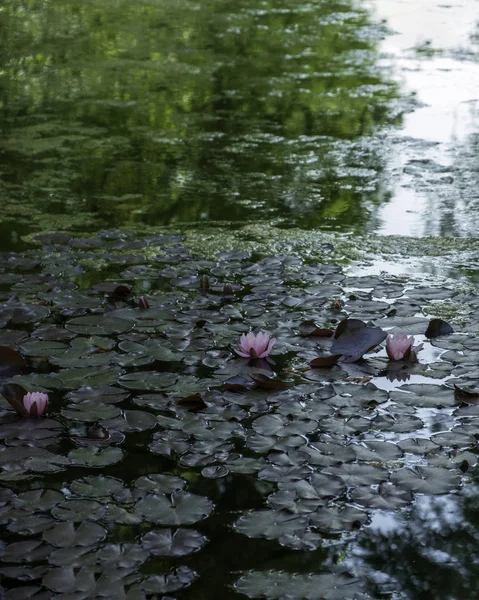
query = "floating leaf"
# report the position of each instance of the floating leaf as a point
(131, 420)
(14, 394)
(463, 394)
(271, 524)
(424, 395)
(161, 584)
(386, 497)
(11, 362)
(279, 585)
(266, 383)
(165, 542)
(95, 457)
(347, 324)
(426, 480)
(438, 327)
(309, 328)
(98, 325)
(97, 486)
(179, 508)
(64, 535)
(332, 519)
(193, 403)
(157, 483)
(356, 341)
(325, 361)
(359, 474)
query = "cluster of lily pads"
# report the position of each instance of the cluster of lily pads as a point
(139, 359)
(399, 347)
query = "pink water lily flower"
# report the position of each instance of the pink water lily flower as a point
(35, 403)
(400, 346)
(255, 346)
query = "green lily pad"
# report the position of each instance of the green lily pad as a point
(279, 585)
(424, 395)
(354, 474)
(386, 497)
(179, 508)
(149, 380)
(271, 524)
(90, 412)
(165, 542)
(95, 457)
(426, 480)
(65, 535)
(158, 483)
(131, 420)
(97, 486)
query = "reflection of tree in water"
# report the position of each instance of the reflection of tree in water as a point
(161, 112)
(432, 550)
(459, 207)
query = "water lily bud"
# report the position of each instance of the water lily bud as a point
(400, 346)
(204, 284)
(337, 304)
(143, 303)
(35, 403)
(228, 290)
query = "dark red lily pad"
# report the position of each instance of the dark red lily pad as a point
(193, 402)
(438, 327)
(14, 394)
(266, 383)
(11, 362)
(238, 384)
(465, 395)
(346, 324)
(325, 361)
(309, 328)
(353, 342)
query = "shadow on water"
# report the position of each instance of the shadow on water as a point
(428, 551)
(174, 111)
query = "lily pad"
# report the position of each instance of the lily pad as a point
(165, 542)
(65, 535)
(271, 524)
(178, 508)
(424, 396)
(426, 480)
(386, 497)
(356, 341)
(98, 325)
(95, 457)
(97, 486)
(279, 585)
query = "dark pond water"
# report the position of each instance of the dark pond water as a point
(279, 138)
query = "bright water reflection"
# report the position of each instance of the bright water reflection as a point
(428, 551)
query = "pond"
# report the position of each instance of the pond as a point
(175, 174)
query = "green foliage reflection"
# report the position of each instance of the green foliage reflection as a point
(119, 112)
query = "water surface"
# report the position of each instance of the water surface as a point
(181, 111)
(281, 138)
